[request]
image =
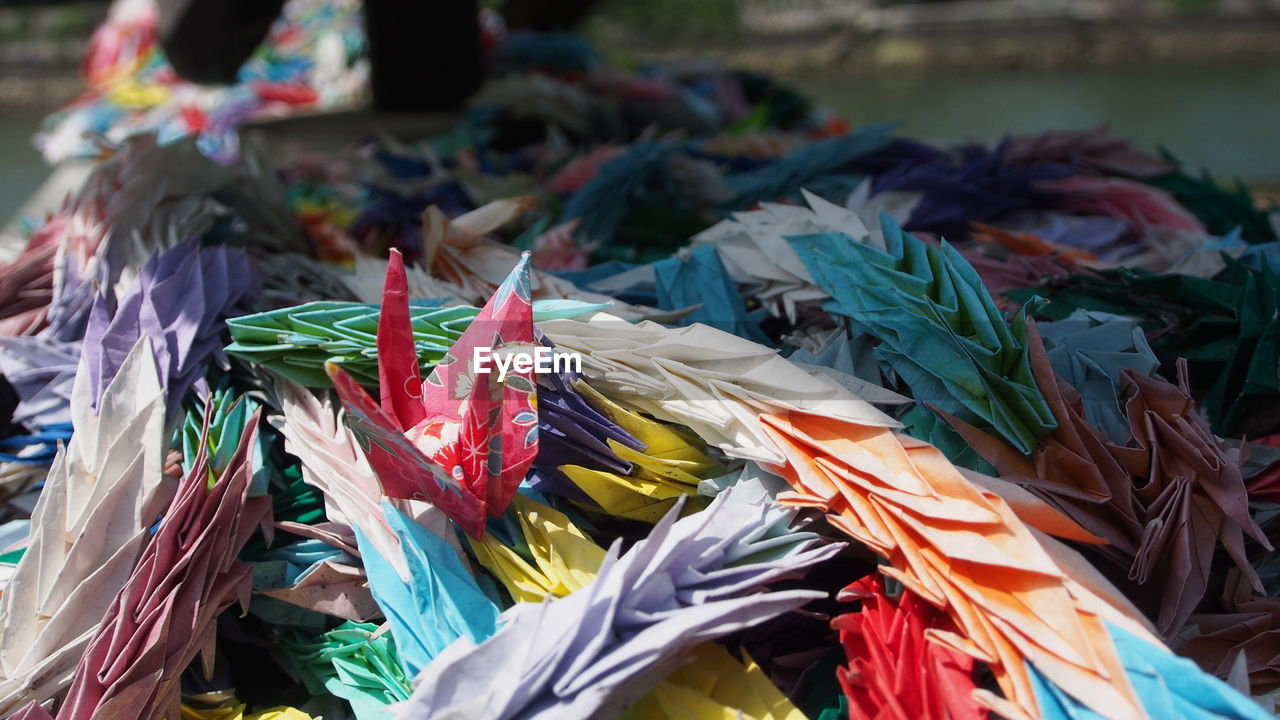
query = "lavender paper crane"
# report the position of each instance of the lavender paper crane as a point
(691, 580)
(179, 300)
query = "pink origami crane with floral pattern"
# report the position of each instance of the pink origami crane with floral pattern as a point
(461, 439)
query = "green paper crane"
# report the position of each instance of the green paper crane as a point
(354, 661)
(938, 327)
(296, 342)
(1221, 209)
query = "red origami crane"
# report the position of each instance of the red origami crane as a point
(461, 440)
(895, 672)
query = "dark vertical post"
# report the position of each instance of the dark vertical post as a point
(425, 54)
(207, 42)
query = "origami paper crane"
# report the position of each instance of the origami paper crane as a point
(605, 644)
(699, 278)
(229, 412)
(179, 301)
(1139, 496)
(459, 252)
(561, 558)
(1236, 402)
(601, 203)
(1221, 209)
(753, 250)
(28, 282)
(857, 470)
(805, 164)
(461, 439)
(1023, 243)
(869, 206)
(660, 190)
(89, 527)
(1245, 632)
(894, 670)
(939, 329)
(572, 431)
(356, 662)
(1095, 150)
(1224, 327)
(715, 684)
(657, 414)
(296, 342)
(554, 249)
(1165, 250)
(1090, 351)
(313, 58)
(861, 475)
(438, 604)
(1004, 272)
(1167, 685)
(1173, 446)
(971, 183)
(149, 197)
(1107, 238)
(42, 373)
(581, 169)
(703, 378)
(662, 466)
(1139, 206)
(333, 462)
(163, 617)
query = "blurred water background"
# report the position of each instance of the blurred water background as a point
(21, 167)
(1224, 116)
(1200, 77)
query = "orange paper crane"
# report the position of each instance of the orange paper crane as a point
(1033, 245)
(976, 547)
(1014, 593)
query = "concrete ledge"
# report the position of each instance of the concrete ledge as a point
(973, 35)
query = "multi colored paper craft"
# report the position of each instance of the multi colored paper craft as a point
(460, 439)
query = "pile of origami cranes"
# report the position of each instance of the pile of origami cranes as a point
(864, 426)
